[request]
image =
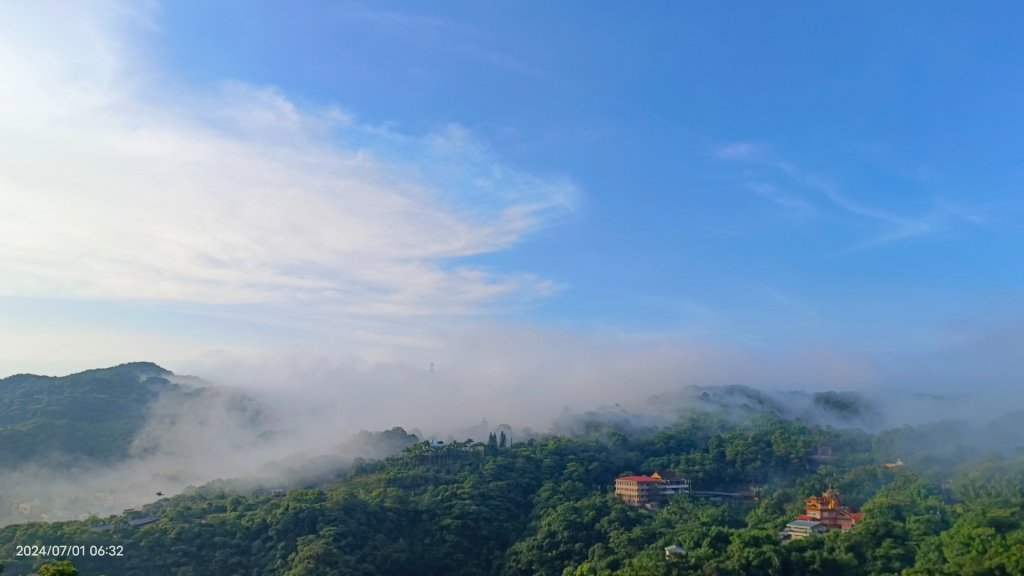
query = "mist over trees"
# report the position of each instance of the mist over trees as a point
(934, 502)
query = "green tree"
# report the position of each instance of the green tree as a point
(316, 556)
(60, 568)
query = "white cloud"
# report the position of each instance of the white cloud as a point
(895, 227)
(116, 185)
(739, 151)
(790, 202)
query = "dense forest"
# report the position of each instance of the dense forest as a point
(91, 441)
(546, 507)
(96, 416)
(93, 415)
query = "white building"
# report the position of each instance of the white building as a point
(800, 529)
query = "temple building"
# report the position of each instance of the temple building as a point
(822, 514)
(649, 490)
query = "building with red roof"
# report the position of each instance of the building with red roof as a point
(647, 490)
(828, 510)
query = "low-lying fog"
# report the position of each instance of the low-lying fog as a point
(279, 420)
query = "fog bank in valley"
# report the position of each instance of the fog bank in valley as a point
(281, 419)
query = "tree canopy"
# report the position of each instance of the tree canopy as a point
(546, 506)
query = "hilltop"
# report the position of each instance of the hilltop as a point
(88, 416)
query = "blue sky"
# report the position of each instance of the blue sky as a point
(908, 116)
(777, 183)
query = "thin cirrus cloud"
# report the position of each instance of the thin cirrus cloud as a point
(120, 185)
(893, 227)
(434, 34)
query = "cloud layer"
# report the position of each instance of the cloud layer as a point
(118, 184)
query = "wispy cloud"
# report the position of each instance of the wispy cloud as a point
(446, 35)
(895, 227)
(115, 187)
(739, 151)
(790, 202)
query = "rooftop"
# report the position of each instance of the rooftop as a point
(675, 548)
(804, 523)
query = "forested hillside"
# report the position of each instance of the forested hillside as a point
(93, 415)
(545, 507)
(98, 417)
(96, 441)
